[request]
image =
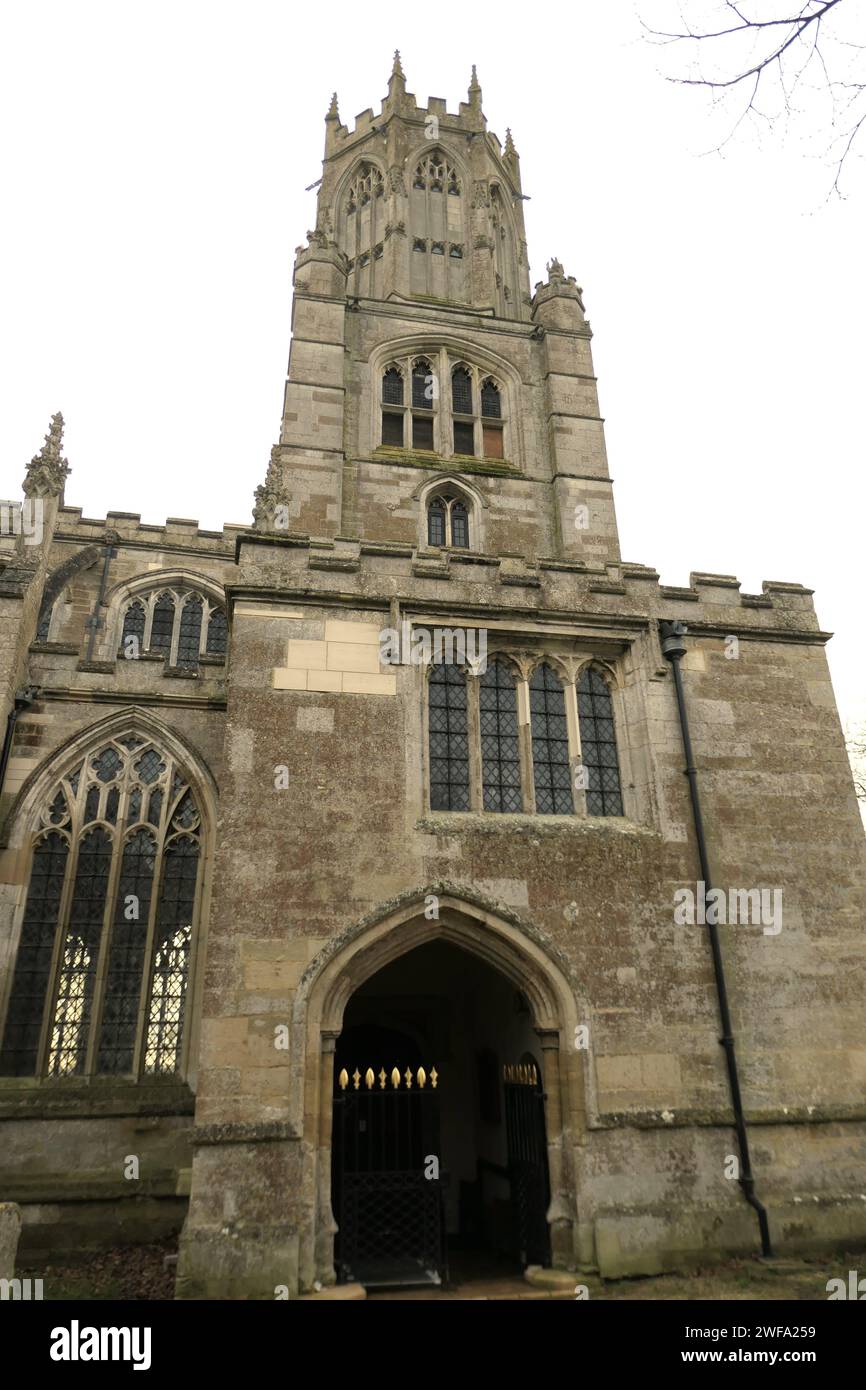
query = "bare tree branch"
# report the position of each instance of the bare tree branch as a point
(786, 50)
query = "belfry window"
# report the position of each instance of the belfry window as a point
(447, 521)
(179, 625)
(465, 418)
(101, 977)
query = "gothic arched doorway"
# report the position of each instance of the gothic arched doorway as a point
(438, 1147)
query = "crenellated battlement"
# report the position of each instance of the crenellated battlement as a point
(130, 529)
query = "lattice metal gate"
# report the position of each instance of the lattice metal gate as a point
(386, 1189)
(527, 1162)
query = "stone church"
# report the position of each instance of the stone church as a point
(355, 907)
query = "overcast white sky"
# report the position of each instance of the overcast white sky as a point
(154, 162)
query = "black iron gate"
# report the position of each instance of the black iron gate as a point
(386, 1188)
(527, 1162)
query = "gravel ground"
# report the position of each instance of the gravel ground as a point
(145, 1272)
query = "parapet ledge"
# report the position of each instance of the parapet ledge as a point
(129, 527)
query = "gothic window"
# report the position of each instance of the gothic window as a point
(491, 417)
(162, 624)
(364, 225)
(434, 173)
(421, 411)
(423, 397)
(598, 744)
(132, 636)
(217, 633)
(449, 739)
(447, 521)
(436, 527)
(468, 419)
(550, 761)
(500, 749)
(461, 405)
(179, 625)
(189, 637)
(101, 976)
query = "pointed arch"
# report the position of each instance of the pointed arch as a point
(494, 935)
(101, 969)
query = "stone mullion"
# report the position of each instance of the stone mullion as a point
(441, 435)
(161, 835)
(105, 937)
(525, 742)
(572, 719)
(473, 730)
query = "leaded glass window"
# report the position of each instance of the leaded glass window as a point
(189, 638)
(461, 391)
(179, 625)
(100, 979)
(162, 625)
(217, 633)
(598, 744)
(447, 521)
(132, 636)
(500, 748)
(392, 387)
(550, 764)
(436, 522)
(449, 739)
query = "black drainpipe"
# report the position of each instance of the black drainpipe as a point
(673, 649)
(23, 699)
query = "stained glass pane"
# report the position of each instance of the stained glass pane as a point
(58, 811)
(91, 804)
(162, 626)
(111, 802)
(500, 749)
(217, 633)
(154, 807)
(32, 968)
(190, 632)
(553, 795)
(171, 957)
(134, 813)
(71, 1023)
(126, 955)
(449, 742)
(598, 745)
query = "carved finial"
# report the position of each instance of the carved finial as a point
(474, 89)
(271, 506)
(555, 270)
(509, 152)
(397, 69)
(47, 471)
(333, 113)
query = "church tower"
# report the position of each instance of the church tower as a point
(433, 399)
(445, 867)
